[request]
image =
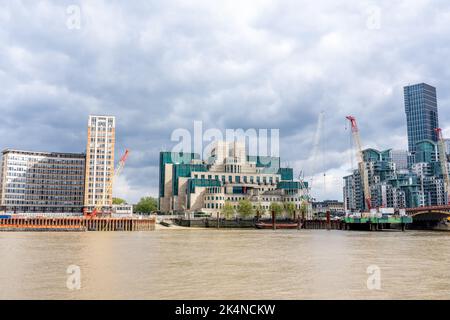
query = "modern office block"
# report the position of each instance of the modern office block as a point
(44, 182)
(421, 114)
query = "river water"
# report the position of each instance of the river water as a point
(226, 264)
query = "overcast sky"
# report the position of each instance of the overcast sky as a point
(161, 65)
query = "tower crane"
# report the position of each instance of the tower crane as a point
(360, 157)
(306, 199)
(316, 143)
(443, 161)
(99, 207)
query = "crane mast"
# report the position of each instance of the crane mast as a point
(99, 207)
(315, 149)
(307, 196)
(443, 161)
(361, 164)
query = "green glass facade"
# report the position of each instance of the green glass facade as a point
(421, 113)
(287, 174)
(287, 185)
(270, 164)
(426, 151)
(185, 170)
(172, 158)
(193, 183)
(372, 155)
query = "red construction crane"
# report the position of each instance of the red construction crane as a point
(362, 165)
(99, 207)
(443, 160)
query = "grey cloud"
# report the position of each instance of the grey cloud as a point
(160, 65)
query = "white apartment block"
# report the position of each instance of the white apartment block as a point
(99, 161)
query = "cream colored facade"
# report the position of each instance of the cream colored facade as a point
(165, 202)
(99, 161)
(227, 176)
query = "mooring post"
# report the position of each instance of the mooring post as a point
(303, 220)
(328, 221)
(273, 220)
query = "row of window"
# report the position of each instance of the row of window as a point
(235, 199)
(100, 167)
(100, 182)
(99, 156)
(44, 192)
(48, 175)
(43, 202)
(61, 181)
(53, 209)
(17, 187)
(26, 161)
(235, 206)
(101, 138)
(239, 179)
(102, 128)
(100, 174)
(97, 196)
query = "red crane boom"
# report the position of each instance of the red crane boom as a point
(361, 163)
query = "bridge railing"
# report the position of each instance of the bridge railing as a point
(429, 208)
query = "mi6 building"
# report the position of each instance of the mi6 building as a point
(228, 175)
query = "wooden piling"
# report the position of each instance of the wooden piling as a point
(77, 223)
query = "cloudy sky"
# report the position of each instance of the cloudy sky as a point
(161, 65)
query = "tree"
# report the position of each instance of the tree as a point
(118, 201)
(245, 208)
(289, 207)
(259, 210)
(277, 208)
(304, 209)
(227, 210)
(146, 205)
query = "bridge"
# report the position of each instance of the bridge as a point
(431, 217)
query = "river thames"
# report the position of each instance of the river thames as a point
(226, 264)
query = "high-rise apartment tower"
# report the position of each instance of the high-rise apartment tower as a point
(99, 161)
(421, 114)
